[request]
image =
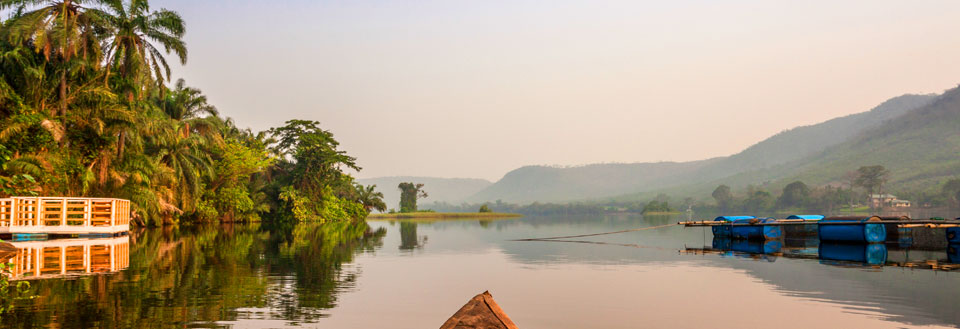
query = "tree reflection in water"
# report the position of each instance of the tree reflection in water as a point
(208, 274)
(409, 240)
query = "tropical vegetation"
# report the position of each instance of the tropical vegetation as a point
(87, 108)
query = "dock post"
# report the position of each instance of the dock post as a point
(87, 209)
(63, 212)
(13, 212)
(113, 212)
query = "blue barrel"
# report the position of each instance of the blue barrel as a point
(802, 230)
(872, 253)
(816, 217)
(725, 230)
(953, 235)
(953, 253)
(856, 231)
(758, 232)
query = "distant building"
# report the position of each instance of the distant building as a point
(900, 204)
(878, 200)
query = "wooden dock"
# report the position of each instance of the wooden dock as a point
(67, 216)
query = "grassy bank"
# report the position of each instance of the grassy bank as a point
(442, 215)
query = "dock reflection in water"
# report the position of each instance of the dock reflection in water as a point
(874, 255)
(68, 257)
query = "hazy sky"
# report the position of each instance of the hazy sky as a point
(477, 88)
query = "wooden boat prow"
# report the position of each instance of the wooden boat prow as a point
(481, 312)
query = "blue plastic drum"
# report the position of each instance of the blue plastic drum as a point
(853, 231)
(726, 230)
(953, 235)
(755, 232)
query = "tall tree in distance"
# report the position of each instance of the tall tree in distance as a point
(723, 196)
(794, 194)
(409, 192)
(952, 191)
(872, 178)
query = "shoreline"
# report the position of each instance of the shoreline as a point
(443, 215)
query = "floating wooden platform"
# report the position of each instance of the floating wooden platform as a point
(57, 215)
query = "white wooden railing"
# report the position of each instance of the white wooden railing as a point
(64, 215)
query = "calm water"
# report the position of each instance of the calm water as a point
(415, 275)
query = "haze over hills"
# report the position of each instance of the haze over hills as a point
(556, 184)
(451, 190)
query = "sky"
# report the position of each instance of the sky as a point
(478, 88)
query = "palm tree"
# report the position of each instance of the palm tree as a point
(134, 29)
(370, 198)
(189, 107)
(62, 29)
(187, 162)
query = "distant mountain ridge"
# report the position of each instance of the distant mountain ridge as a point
(452, 190)
(553, 184)
(920, 149)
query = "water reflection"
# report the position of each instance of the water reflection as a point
(68, 257)
(409, 240)
(831, 253)
(355, 276)
(209, 275)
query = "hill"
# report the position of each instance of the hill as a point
(452, 190)
(781, 151)
(919, 148)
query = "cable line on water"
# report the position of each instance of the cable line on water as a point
(596, 234)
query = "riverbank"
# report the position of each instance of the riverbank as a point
(443, 215)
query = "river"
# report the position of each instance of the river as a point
(384, 274)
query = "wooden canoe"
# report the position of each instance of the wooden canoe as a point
(481, 312)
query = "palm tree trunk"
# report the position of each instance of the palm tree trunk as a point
(120, 142)
(63, 93)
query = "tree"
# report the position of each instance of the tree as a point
(134, 29)
(723, 196)
(952, 190)
(484, 208)
(794, 195)
(758, 200)
(409, 193)
(871, 178)
(61, 29)
(370, 198)
(188, 106)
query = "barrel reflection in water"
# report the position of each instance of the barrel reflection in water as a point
(872, 254)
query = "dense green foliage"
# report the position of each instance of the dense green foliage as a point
(85, 110)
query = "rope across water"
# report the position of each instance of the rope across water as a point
(596, 234)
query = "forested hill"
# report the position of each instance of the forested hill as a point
(554, 184)
(919, 148)
(452, 190)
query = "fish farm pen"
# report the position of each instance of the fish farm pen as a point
(842, 241)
